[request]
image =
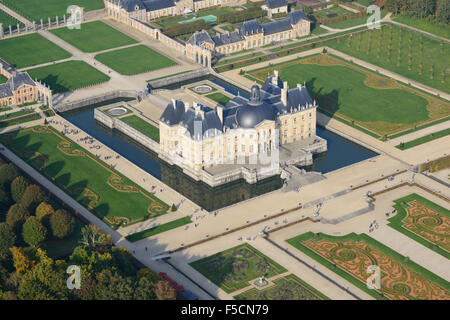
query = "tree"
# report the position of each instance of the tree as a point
(32, 197)
(164, 291)
(33, 232)
(5, 200)
(174, 207)
(62, 224)
(20, 260)
(443, 12)
(18, 187)
(43, 212)
(16, 216)
(8, 172)
(7, 240)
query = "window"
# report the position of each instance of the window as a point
(243, 148)
(251, 148)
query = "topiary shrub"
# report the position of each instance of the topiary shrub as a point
(18, 187)
(174, 207)
(62, 224)
(32, 197)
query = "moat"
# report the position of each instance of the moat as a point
(341, 153)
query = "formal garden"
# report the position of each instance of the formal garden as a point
(372, 103)
(349, 256)
(289, 287)
(424, 221)
(134, 60)
(142, 126)
(218, 97)
(105, 192)
(233, 269)
(158, 229)
(29, 50)
(93, 36)
(68, 76)
(408, 53)
(35, 10)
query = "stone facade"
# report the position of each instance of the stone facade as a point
(243, 131)
(20, 88)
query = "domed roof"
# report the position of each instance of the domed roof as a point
(255, 111)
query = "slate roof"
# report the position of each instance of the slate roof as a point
(272, 4)
(296, 16)
(198, 38)
(5, 90)
(240, 112)
(152, 5)
(227, 38)
(250, 27)
(21, 78)
(277, 26)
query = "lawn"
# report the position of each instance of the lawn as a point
(134, 60)
(376, 103)
(106, 193)
(289, 287)
(44, 9)
(424, 139)
(33, 116)
(219, 98)
(142, 126)
(158, 229)
(170, 21)
(318, 30)
(425, 25)
(234, 268)
(423, 221)
(94, 36)
(410, 54)
(68, 76)
(29, 50)
(349, 256)
(352, 22)
(7, 20)
(15, 114)
(333, 12)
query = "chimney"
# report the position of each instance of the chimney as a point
(275, 78)
(284, 93)
(174, 103)
(217, 34)
(219, 110)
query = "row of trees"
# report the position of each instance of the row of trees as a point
(437, 10)
(28, 221)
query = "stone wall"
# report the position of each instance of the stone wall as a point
(116, 123)
(179, 78)
(97, 99)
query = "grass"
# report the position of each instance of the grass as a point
(170, 21)
(425, 63)
(333, 12)
(389, 273)
(424, 139)
(134, 60)
(68, 76)
(396, 222)
(29, 50)
(244, 57)
(7, 21)
(32, 117)
(232, 269)
(158, 229)
(105, 192)
(105, 111)
(44, 9)
(425, 25)
(93, 36)
(202, 93)
(142, 126)
(219, 98)
(15, 114)
(318, 30)
(376, 103)
(289, 287)
(58, 248)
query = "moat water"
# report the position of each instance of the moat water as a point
(341, 153)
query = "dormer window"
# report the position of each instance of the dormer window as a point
(136, 8)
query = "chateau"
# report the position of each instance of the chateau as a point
(243, 129)
(249, 35)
